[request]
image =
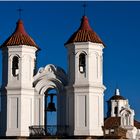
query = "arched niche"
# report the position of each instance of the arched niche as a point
(46, 79)
(127, 117)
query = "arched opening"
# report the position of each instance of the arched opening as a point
(126, 118)
(116, 111)
(47, 82)
(82, 63)
(50, 112)
(15, 66)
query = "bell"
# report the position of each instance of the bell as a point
(51, 105)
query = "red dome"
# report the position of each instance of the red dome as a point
(84, 33)
(19, 37)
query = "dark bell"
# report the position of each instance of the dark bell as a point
(51, 107)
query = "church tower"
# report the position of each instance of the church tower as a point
(18, 62)
(85, 91)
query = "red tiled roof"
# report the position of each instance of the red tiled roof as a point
(84, 33)
(137, 124)
(112, 122)
(19, 37)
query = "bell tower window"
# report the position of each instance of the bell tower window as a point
(15, 66)
(116, 110)
(82, 63)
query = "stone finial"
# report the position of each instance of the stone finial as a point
(117, 92)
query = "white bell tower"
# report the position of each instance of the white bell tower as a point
(85, 91)
(19, 56)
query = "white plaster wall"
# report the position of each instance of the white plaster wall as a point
(80, 111)
(95, 63)
(88, 110)
(20, 110)
(96, 120)
(94, 70)
(138, 134)
(39, 108)
(85, 90)
(13, 118)
(27, 57)
(131, 132)
(120, 104)
(20, 91)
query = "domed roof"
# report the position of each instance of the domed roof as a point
(117, 96)
(19, 37)
(84, 33)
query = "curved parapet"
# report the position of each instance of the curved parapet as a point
(48, 77)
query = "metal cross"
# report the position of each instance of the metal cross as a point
(84, 7)
(20, 10)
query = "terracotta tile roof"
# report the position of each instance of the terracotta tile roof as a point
(112, 122)
(19, 37)
(117, 97)
(84, 33)
(137, 124)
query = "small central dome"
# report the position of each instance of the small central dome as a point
(19, 37)
(84, 33)
(117, 96)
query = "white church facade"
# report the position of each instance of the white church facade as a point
(80, 91)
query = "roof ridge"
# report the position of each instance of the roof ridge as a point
(85, 24)
(20, 27)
